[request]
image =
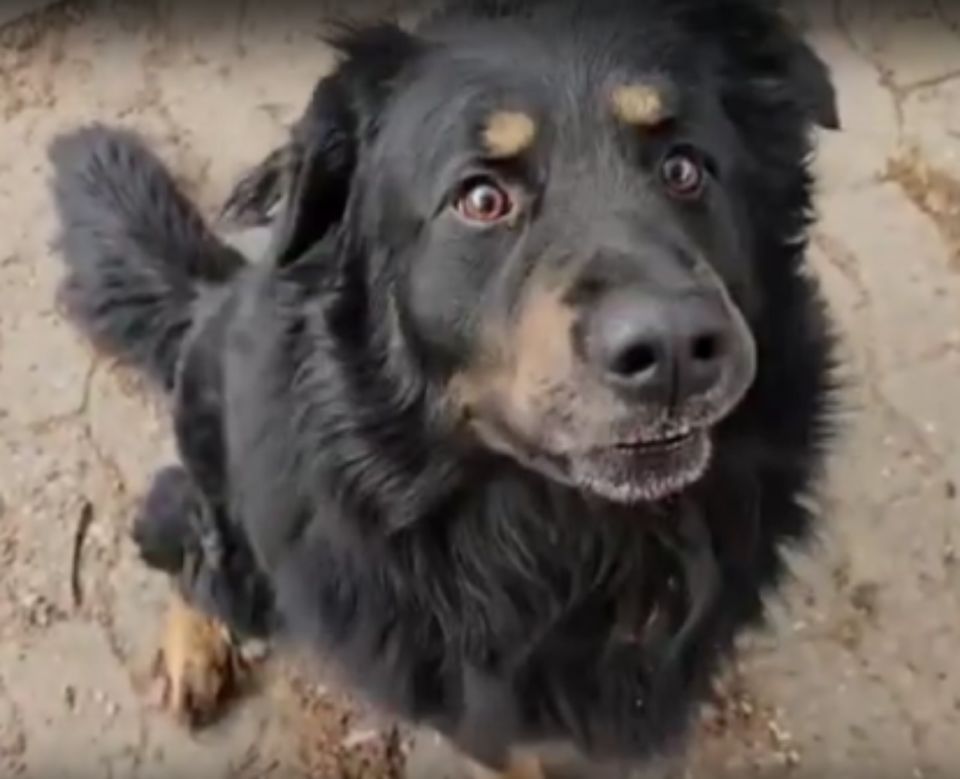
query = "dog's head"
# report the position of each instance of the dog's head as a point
(561, 214)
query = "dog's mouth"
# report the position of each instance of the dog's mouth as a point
(645, 470)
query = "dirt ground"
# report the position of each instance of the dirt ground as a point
(859, 675)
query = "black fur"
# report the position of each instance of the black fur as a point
(137, 249)
(332, 497)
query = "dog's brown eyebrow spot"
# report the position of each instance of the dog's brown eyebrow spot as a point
(641, 105)
(508, 133)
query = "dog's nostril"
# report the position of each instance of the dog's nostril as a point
(706, 348)
(634, 360)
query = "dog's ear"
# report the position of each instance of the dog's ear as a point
(809, 78)
(767, 59)
(325, 143)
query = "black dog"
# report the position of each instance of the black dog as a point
(515, 422)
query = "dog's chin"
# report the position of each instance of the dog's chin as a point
(645, 469)
(645, 472)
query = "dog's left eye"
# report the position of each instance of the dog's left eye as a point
(683, 173)
(484, 201)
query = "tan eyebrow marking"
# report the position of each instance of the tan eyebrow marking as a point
(508, 133)
(639, 104)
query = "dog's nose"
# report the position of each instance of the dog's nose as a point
(658, 349)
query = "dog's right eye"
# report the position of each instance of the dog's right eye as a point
(684, 173)
(484, 201)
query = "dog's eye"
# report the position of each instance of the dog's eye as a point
(683, 173)
(483, 200)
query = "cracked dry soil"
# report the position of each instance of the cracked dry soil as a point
(859, 673)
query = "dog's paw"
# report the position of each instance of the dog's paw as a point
(519, 767)
(198, 668)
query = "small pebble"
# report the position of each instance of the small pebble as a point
(358, 738)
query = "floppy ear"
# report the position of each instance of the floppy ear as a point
(767, 58)
(323, 152)
(809, 77)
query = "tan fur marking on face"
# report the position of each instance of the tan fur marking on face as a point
(509, 133)
(543, 346)
(521, 363)
(639, 104)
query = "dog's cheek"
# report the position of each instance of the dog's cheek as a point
(444, 290)
(728, 248)
(521, 373)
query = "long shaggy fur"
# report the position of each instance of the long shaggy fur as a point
(454, 585)
(137, 250)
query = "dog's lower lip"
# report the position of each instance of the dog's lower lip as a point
(652, 444)
(648, 470)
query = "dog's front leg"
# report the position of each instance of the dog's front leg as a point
(520, 766)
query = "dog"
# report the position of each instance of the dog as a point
(515, 421)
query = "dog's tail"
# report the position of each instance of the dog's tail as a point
(138, 254)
